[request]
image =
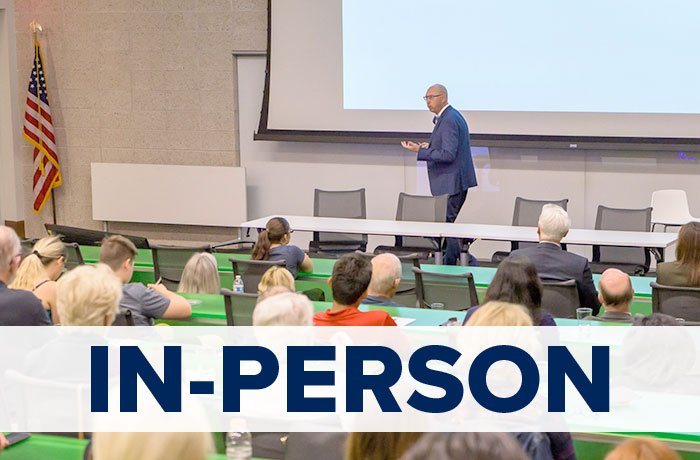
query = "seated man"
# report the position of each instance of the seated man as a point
(349, 281)
(616, 294)
(146, 303)
(555, 264)
(17, 307)
(386, 276)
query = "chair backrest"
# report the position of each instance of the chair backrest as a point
(89, 237)
(406, 292)
(670, 207)
(124, 318)
(560, 298)
(73, 255)
(632, 220)
(420, 208)
(239, 307)
(350, 204)
(681, 302)
(35, 397)
(169, 262)
(251, 272)
(526, 213)
(28, 246)
(455, 291)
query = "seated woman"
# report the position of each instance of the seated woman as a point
(273, 244)
(275, 279)
(685, 271)
(516, 281)
(200, 275)
(39, 271)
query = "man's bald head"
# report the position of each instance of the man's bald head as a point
(438, 89)
(10, 248)
(386, 275)
(616, 290)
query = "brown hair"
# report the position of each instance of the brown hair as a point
(350, 278)
(516, 281)
(275, 230)
(115, 250)
(378, 446)
(688, 251)
(642, 448)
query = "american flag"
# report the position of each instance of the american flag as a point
(38, 130)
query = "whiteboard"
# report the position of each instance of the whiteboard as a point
(169, 194)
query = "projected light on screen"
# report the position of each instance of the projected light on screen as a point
(535, 56)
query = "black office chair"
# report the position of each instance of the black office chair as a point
(74, 257)
(417, 208)
(350, 204)
(680, 302)
(631, 260)
(560, 298)
(526, 213)
(454, 291)
(251, 271)
(169, 262)
(406, 292)
(124, 318)
(239, 307)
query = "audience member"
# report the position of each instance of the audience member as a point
(273, 244)
(642, 448)
(379, 446)
(461, 446)
(146, 446)
(39, 271)
(685, 271)
(655, 319)
(17, 307)
(88, 296)
(555, 264)
(615, 293)
(200, 275)
(497, 313)
(516, 281)
(275, 277)
(349, 282)
(285, 309)
(386, 277)
(146, 303)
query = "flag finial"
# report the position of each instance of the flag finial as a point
(35, 26)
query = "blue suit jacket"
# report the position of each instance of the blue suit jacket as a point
(449, 156)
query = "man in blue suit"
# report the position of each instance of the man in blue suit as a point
(450, 166)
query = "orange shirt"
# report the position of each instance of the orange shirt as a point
(353, 317)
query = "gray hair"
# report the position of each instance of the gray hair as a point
(554, 223)
(10, 246)
(386, 269)
(287, 309)
(440, 88)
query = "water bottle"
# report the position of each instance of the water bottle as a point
(239, 444)
(238, 284)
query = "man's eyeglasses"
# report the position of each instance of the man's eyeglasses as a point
(431, 96)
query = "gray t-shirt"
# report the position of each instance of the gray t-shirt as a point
(292, 256)
(145, 304)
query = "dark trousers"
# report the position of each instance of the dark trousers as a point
(454, 245)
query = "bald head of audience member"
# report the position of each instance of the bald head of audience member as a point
(386, 275)
(10, 253)
(615, 291)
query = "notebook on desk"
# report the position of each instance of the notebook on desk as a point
(402, 321)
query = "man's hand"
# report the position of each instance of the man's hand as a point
(424, 145)
(412, 146)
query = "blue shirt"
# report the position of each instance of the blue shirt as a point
(292, 256)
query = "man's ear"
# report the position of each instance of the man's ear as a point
(600, 298)
(330, 282)
(397, 281)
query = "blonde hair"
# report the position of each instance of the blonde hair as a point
(554, 223)
(200, 275)
(273, 277)
(500, 314)
(642, 448)
(116, 250)
(288, 309)
(32, 270)
(378, 445)
(138, 446)
(87, 295)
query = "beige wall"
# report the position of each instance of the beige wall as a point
(136, 81)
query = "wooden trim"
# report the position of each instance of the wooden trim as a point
(17, 226)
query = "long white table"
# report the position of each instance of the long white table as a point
(655, 240)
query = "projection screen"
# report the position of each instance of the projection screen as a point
(593, 74)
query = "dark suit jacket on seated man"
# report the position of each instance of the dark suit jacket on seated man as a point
(555, 264)
(449, 159)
